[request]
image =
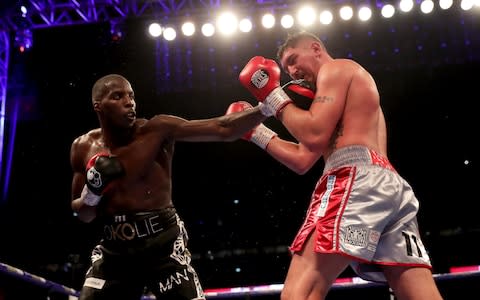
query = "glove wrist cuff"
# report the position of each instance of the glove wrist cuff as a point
(262, 136)
(275, 102)
(89, 198)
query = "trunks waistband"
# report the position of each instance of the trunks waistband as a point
(141, 225)
(356, 156)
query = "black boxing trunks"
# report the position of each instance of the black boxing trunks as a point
(142, 250)
(362, 208)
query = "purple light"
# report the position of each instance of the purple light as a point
(23, 39)
(11, 145)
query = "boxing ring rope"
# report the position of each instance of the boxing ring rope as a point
(36, 280)
(234, 292)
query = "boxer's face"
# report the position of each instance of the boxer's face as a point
(299, 62)
(118, 105)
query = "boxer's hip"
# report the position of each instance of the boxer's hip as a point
(137, 226)
(355, 155)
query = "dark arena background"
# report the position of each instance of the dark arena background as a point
(241, 208)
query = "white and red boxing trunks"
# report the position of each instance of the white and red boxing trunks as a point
(362, 208)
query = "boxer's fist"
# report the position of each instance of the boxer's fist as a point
(260, 135)
(238, 107)
(300, 87)
(301, 92)
(101, 170)
(261, 77)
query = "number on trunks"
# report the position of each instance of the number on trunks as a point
(410, 240)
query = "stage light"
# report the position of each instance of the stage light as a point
(287, 21)
(155, 30)
(467, 4)
(245, 25)
(23, 10)
(388, 11)
(427, 6)
(306, 16)
(227, 23)
(346, 13)
(406, 5)
(364, 13)
(208, 29)
(445, 4)
(326, 17)
(268, 21)
(169, 33)
(116, 31)
(188, 28)
(23, 39)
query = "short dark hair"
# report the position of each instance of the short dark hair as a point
(292, 41)
(99, 89)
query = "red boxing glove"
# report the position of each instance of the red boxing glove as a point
(238, 107)
(260, 135)
(300, 87)
(261, 77)
(301, 92)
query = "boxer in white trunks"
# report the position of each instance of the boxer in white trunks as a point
(362, 212)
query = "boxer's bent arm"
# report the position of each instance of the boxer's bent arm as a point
(85, 213)
(314, 127)
(295, 156)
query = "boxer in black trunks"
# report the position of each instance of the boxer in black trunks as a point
(122, 175)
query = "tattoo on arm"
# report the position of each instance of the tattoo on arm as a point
(323, 99)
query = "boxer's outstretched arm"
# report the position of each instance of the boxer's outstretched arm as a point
(260, 135)
(223, 128)
(295, 156)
